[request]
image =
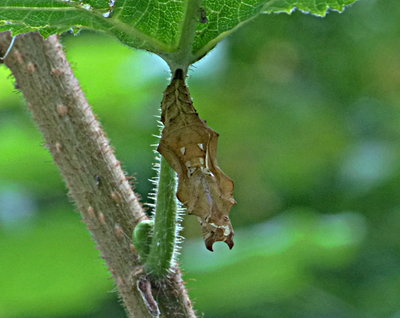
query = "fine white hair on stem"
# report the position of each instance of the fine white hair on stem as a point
(10, 47)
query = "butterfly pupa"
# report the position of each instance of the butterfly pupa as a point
(190, 147)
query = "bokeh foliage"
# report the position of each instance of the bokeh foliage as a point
(309, 117)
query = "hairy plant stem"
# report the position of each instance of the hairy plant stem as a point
(163, 244)
(93, 175)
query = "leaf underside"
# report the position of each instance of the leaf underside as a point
(154, 25)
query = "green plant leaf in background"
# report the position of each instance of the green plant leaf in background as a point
(339, 259)
(160, 26)
(32, 288)
(223, 17)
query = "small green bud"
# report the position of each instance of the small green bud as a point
(142, 236)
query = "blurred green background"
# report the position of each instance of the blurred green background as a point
(308, 110)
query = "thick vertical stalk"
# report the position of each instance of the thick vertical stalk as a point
(93, 175)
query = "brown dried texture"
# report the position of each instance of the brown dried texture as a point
(190, 147)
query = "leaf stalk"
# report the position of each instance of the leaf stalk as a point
(183, 57)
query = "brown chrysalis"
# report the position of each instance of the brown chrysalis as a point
(190, 147)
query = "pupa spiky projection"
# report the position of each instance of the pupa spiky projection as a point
(190, 147)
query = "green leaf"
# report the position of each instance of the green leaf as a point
(316, 7)
(180, 31)
(98, 4)
(223, 17)
(56, 16)
(158, 19)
